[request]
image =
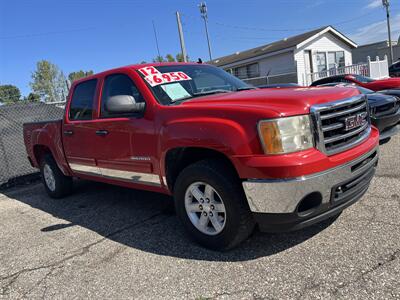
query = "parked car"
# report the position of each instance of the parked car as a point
(384, 111)
(394, 70)
(392, 92)
(369, 83)
(279, 86)
(231, 155)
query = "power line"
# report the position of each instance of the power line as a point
(293, 29)
(45, 33)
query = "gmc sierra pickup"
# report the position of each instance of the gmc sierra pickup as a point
(233, 156)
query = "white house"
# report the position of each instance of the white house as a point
(292, 59)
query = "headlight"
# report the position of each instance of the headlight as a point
(286, 135)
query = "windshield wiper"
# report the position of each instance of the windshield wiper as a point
(211, 92)
(245, 88)
(194, 95)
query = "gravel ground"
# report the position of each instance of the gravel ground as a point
(115, 243)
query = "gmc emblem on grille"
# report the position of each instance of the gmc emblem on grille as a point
(355, 121)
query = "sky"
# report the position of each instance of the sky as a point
(102, 34)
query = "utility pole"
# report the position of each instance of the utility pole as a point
(181, 38)
(203, 11)
(155, 36)
(385, 3)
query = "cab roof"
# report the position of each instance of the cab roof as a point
(134, 67)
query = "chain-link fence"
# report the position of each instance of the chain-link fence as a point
(13, 157)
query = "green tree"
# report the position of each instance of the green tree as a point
(9, 93)
(78, 75)
(48, 82)
(158, 59)
(32, 97)
(179, 57)
(170, 58)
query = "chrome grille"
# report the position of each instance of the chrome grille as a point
(330, 119)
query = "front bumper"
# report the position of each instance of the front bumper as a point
(279, 204)
(386, 124)
(388, 133)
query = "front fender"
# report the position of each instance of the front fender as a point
(223, 135)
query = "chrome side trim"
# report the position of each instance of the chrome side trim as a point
(93, 170)
(284, 195)
(137, 177)
(129, 176)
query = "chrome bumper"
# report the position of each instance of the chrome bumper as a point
(284, 195)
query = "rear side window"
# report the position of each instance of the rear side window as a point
(82, 103)
(118, 84)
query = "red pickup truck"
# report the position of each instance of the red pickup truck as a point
(233, 156)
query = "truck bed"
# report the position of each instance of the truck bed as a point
(43, 136)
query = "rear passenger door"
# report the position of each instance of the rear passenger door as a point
(79, 130)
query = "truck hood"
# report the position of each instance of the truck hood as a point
(284, 102)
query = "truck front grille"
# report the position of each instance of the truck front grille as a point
(341, 125)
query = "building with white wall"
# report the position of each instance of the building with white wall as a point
(291, 59)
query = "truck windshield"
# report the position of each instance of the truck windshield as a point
(173, 84)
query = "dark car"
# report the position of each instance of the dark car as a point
(384, 110)
(391, 92)
(279, 86)
(360, 80)
(394, 70)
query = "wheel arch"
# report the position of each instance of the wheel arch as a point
(177, 159)
(39, 151)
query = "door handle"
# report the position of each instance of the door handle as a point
(68, 132)
(102, 132)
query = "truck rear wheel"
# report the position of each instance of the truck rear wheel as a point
(57, 185)
(211, 203)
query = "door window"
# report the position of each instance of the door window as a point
(81, 107)
(118, 84)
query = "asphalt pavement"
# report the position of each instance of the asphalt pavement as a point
(106, 242)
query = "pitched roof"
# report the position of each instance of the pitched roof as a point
(276, 46)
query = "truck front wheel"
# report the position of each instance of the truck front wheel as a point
(57, 185)
(210, 202)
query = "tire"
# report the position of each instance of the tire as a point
(56, 184)
(235, 224)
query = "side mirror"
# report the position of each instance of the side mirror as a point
(124, 104)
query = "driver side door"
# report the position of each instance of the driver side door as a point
(124, 144)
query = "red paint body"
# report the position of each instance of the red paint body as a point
(378, 84)
(222, 122)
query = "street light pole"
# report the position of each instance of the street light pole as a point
(203, 11)
(181, 38)
(155, 36)
(385, 3)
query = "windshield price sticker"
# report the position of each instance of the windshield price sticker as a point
(147, 71)
(159, 78)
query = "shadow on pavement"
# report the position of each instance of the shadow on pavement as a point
(145, 221)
